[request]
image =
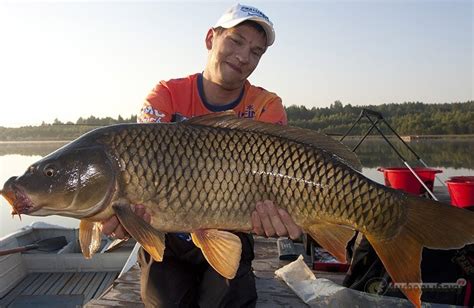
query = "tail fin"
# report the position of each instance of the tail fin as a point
(428, 224)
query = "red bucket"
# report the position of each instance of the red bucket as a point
(461, 190)
(401, 178)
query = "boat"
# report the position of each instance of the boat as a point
(59, 276)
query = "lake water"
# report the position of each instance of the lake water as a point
(453, 157)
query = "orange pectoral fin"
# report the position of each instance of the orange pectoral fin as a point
(221, 249)
(152, 240)
(89, 237)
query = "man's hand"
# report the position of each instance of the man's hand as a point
(269, 220)
(113, 227)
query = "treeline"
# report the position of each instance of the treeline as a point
(94, 121)
(60, 130)
(411, 118)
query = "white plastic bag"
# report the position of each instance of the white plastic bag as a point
(323, 292)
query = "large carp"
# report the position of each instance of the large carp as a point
(205, 175)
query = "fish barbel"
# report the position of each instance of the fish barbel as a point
(205, 176)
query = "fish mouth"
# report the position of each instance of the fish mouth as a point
(19, 201)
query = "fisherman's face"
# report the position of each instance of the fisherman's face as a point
(233, 55)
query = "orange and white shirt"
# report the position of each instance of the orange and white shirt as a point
(183, 98)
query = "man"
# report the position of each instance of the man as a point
(235, 46)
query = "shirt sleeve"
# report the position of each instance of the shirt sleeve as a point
(274, 112)
(157, 107)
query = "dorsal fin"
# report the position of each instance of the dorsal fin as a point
(228, 119)
(215, 119)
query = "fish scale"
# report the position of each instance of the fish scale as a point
(257, 167)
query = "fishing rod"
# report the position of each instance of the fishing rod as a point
(374, 124)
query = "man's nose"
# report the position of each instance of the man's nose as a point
(243, 56)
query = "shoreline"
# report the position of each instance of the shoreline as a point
(32, 141)
(408, 138)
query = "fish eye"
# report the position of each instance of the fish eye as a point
(49, 170)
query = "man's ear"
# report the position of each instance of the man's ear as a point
(209, 38)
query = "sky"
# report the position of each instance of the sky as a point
(71, 59)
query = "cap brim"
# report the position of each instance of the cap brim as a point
(266, 27)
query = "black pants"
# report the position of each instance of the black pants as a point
(185, 279)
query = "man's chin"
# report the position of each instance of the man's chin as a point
(231, 83)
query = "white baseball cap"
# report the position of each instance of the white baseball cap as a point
(240, 13)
